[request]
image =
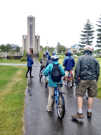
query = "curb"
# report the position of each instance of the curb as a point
(23, 120)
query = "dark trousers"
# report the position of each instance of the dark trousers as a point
(29, 70)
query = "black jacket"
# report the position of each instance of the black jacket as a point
(87, 68)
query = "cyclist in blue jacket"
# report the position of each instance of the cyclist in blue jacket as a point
(48, 61)
(68, 63)
(51, 83)
(29, 65)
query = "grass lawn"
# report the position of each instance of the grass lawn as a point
(12, 89)
(11, 61)
(99, 81)
(99, 85)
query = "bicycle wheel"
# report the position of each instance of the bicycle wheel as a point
(69, 84)
(61, 107)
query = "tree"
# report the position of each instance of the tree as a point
(51, 49)
(87, 35)
(3, 48)
(98, 34)
(60, 48)
(8, 48)
(17, 50)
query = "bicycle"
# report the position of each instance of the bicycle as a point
(60, 102)
(41, 72)
(69, 79)
(40, 76)
(45, 78)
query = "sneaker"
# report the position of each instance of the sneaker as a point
(78, 117)
(31, 76)
(89, 115)
(49, 109)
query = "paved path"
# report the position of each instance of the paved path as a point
(12, 64)
(39, 122)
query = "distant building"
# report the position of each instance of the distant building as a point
(37, 44)
(31, 42)
(75, 48)
(24, 42)
(14, 50)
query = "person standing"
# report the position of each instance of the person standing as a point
(29, 65)
(86, 77)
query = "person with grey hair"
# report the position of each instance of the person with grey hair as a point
(86, 77)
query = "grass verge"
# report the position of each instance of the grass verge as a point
(12, 61)
(99, 87)
(12, 100)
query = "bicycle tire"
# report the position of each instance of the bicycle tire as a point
(61, 108)
(61, 112)
(46, 84)
(40, 77)
(69, 84)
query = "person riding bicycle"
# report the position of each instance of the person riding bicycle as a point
(48, 60)
(43, 62)
(47, 63)
(52, 82)
(47, 54)
(86, 77)
(68, 64)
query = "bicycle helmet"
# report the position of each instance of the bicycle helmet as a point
(88, 48)
(54, 58)
(68, 53)
(53, 53)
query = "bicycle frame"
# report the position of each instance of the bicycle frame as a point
(57, 93)
(60, 103)
(56, 96)
(41, 74)
(69, 79)
(70, 76)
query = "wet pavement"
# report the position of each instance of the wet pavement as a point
(40, 122)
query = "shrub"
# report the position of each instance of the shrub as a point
(24, 58)
(40, 55)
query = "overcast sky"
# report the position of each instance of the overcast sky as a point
(56, 20)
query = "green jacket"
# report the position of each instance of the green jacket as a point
(47, 72)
